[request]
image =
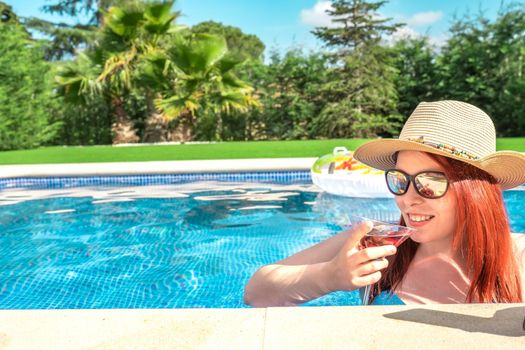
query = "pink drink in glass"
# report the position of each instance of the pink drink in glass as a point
(383, 234)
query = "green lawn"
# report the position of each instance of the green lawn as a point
(223, 150)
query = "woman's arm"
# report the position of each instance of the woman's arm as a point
(331, 265)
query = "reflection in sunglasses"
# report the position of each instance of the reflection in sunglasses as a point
(431, 184)
(427, 191)
(427, 184)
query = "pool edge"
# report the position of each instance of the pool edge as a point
(486, 326)
(156, 167)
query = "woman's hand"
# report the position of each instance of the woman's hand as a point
(354, 267)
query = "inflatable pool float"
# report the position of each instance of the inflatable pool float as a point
(340, 174)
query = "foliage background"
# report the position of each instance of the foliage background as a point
(361, 85)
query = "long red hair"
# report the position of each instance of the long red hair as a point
(482, 235)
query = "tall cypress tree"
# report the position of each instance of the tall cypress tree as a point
(356, 24)
(27, 103)
(361, 95)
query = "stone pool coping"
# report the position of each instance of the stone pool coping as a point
(480, 326)
(156, 167)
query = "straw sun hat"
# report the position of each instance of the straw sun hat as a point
(452, 129)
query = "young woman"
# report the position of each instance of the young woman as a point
(447, 179)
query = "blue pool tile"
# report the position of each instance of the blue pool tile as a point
(281, 177)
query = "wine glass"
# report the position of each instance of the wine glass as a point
(382, 233)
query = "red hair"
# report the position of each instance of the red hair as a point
(482, 235)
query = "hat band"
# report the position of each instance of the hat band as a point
(446, 148)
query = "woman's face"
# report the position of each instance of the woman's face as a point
(434, 219)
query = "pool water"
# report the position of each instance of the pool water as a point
(171, 246)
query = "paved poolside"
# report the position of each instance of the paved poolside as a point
(488, 326)
(483, 326)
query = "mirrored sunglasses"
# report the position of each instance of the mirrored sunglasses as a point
(428, 184)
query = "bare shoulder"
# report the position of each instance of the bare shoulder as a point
(519, 247)
(519, 241)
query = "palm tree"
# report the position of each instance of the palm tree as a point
(177, 73)
(202, 81)
(77, 80)
(131, 34)
(140, 49)
(79, 83)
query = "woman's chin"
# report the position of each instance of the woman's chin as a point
(418, 237)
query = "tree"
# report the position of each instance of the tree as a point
(508, 106)
(7, 15)
(130, 34)
(27, 101)
(89, 110)
(239, 43)
(288, 87)
(66, 39)
(201, 82)
(73, 8)
(361, 96)
(417, 79)
(357, 24)
(483, 63)
(241, 125)
(140, 54)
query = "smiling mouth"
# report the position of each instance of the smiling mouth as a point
(420, 218)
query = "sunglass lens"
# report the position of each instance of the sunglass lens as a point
(431, 185)
(397, 182)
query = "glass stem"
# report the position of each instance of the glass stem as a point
(366, 295)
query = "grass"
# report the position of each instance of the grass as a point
(223, 150)
(511, 143)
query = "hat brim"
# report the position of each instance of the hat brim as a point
(507, 167)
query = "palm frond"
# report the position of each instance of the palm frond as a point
(198, 54)
(119, 64)
(77, 80)
(158, 17)
(174, 106)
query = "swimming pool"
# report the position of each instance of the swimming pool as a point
(165, 242)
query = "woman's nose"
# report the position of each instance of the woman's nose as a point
(411, 197)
